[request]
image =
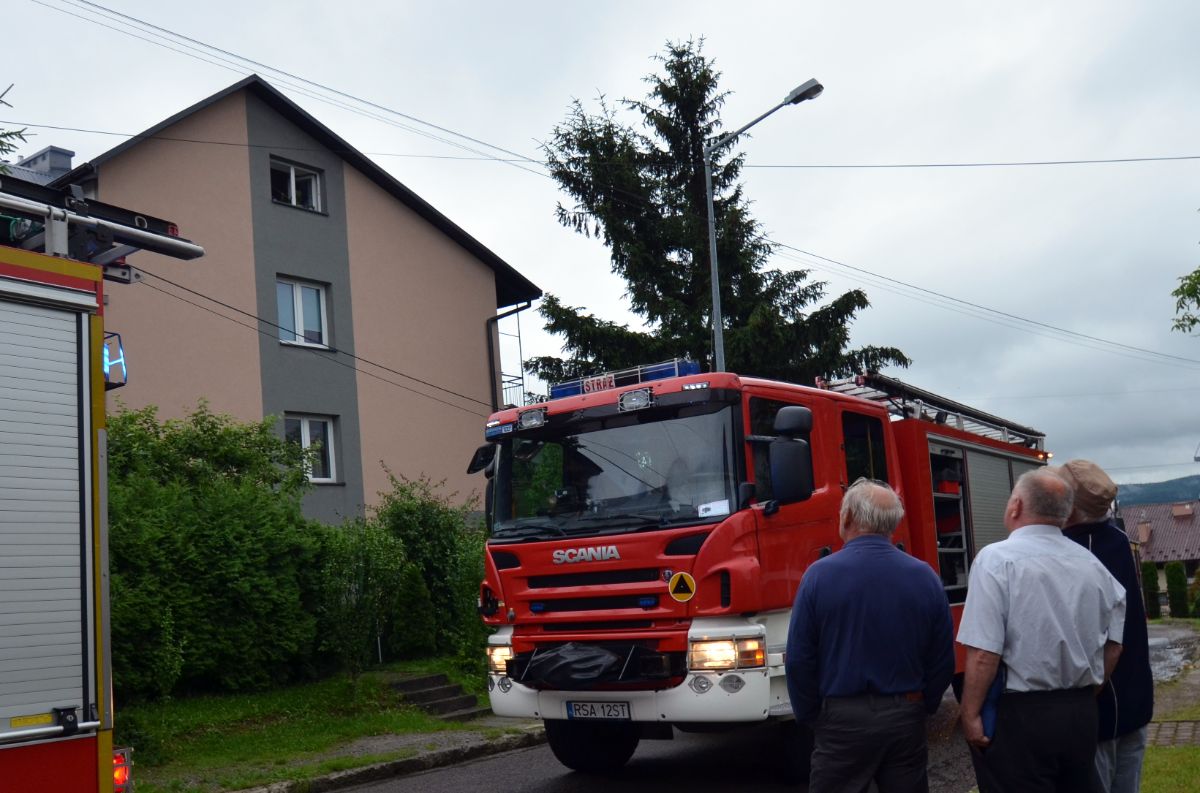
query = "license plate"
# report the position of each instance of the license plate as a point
(598, 710)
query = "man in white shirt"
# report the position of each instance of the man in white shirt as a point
(1048, 610)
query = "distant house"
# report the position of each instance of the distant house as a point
(1166, 532)
(331, 295)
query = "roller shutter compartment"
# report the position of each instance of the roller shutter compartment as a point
(44, 595)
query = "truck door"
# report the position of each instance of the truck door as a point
(798, 534)
(45, 510)
(866, 451)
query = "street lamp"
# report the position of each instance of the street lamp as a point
(810, 89)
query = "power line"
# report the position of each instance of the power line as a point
(523, 159)
(1011, 164)
(331, 360)
(989, 310)
(306, 81)
(216, 60)
(331, 349)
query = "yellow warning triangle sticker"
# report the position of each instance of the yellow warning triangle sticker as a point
(682, 587)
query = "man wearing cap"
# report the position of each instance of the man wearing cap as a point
(1048, 611)
(870, 653)
(1127, 700)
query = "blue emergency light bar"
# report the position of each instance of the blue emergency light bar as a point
(678, 367)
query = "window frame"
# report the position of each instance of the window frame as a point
(291, 168)
(306, 442)
(298, 339)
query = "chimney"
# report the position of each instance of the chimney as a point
(1143, 532)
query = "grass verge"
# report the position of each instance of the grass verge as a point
(1171, 769)
(218, 743)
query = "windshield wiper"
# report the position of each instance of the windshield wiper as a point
(529, 531)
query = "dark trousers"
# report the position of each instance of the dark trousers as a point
(1045, 742)
(860, 739)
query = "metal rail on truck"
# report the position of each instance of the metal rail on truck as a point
(907, 401)
(64, 223)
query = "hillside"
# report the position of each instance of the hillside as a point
(1185, 488)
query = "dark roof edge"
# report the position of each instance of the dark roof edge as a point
(511, 286)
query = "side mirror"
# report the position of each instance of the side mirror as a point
(791, 469)
(482, 459)
(793, 421)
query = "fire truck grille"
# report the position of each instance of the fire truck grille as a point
(594, 603)
(637, 576)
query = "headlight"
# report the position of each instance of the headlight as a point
(498, 657)
(726, 654)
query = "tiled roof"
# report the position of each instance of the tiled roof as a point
(1166, 531)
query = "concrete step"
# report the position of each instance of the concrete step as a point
(421, 696)
(467, 714)
(417, 682)
(440, 707)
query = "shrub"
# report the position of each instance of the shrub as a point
(446, 547)
(214, 568)
(1150, 590)
(363, 564)
(1177, 589)
(413, 628)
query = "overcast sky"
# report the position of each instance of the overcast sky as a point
(1092, 249)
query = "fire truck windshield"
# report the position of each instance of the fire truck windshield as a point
(622, 474)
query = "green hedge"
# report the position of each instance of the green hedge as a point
(213, 565)
(219, 583)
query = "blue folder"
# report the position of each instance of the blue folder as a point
(992, 702)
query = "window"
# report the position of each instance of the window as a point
(295, 185)
(310, 431)
(762, 426)
(301, 313)
(863, 442)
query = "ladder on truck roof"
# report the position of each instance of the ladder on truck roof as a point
(907, 401)
(63, 223)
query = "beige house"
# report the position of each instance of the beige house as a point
(331, 295)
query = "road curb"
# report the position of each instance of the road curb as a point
(438, 758)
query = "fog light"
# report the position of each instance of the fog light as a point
(700, 684)
(732, 683)
(498, 657)
(505, 685)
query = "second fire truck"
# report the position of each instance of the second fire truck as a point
(649, 529)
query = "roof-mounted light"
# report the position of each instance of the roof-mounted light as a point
(695, 386)
(532, 419)
(635, 400)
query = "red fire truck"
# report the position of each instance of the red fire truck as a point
(649, 529)
(56, 709)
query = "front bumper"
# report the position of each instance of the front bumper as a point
(684, 703)
(738, 695)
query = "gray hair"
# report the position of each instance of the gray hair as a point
(871, 507)
(1046, 494)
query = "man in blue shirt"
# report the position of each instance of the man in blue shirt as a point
(870, 652)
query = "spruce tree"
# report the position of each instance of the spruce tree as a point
(641, 189)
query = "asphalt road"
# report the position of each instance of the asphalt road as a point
(744, 759)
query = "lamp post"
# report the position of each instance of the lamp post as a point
(810, 89)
